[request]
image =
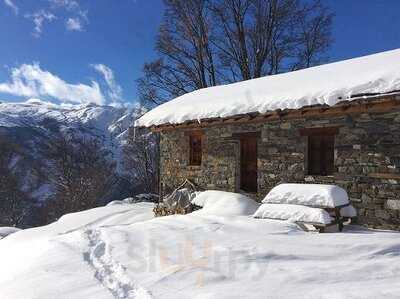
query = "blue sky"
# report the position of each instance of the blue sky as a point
(97, 48)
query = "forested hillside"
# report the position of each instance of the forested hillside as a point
(56, 159)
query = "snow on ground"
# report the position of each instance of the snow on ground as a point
(325, 84)
(6, 231)
(224, 203)
(68, 259)
(120, 251)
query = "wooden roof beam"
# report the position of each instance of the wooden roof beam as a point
(354, 107)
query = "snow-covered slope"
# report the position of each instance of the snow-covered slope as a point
(34, 124)
(120, 251)
(100, 119)
(325, 84)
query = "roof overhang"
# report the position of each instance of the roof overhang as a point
(358, 105)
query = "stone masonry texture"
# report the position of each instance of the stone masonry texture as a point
(367, 160)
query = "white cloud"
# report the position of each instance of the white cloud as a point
(73, 24)
(114, 89)
(38, 19)
(69, 11)
(12, 5)
(78, 17)
(29, 80)
(68, 4)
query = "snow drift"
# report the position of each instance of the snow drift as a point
(121, 251)
(326, 84)
(224, 203)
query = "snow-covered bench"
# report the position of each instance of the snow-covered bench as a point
(308, 204)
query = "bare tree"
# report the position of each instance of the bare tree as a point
(231, 40)
(81, 175)
(186, 58)
(314, 26)
(203, 43)
(13, 201)
(264, 37)
(141, 160)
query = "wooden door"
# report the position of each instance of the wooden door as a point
(248, 164)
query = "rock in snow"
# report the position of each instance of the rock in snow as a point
(326, 84)
(121, 251)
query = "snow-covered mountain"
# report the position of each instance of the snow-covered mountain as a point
(103, 120)
(34, 124)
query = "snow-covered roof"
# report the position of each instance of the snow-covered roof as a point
(326, 84)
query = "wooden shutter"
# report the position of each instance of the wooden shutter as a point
(195, 143)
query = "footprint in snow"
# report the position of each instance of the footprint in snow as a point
(110, 273)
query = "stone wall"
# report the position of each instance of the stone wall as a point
(367, 160)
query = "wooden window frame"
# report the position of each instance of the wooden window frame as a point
(195, 154)
(324, 160)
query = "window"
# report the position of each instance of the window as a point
(320, 153)
(195, 140)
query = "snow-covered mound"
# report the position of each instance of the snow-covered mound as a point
(122, 252)
(325, 84)
(224, 203)
(6, 231)
(313, 195)
(293, 213)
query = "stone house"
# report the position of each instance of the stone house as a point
(345, 133)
